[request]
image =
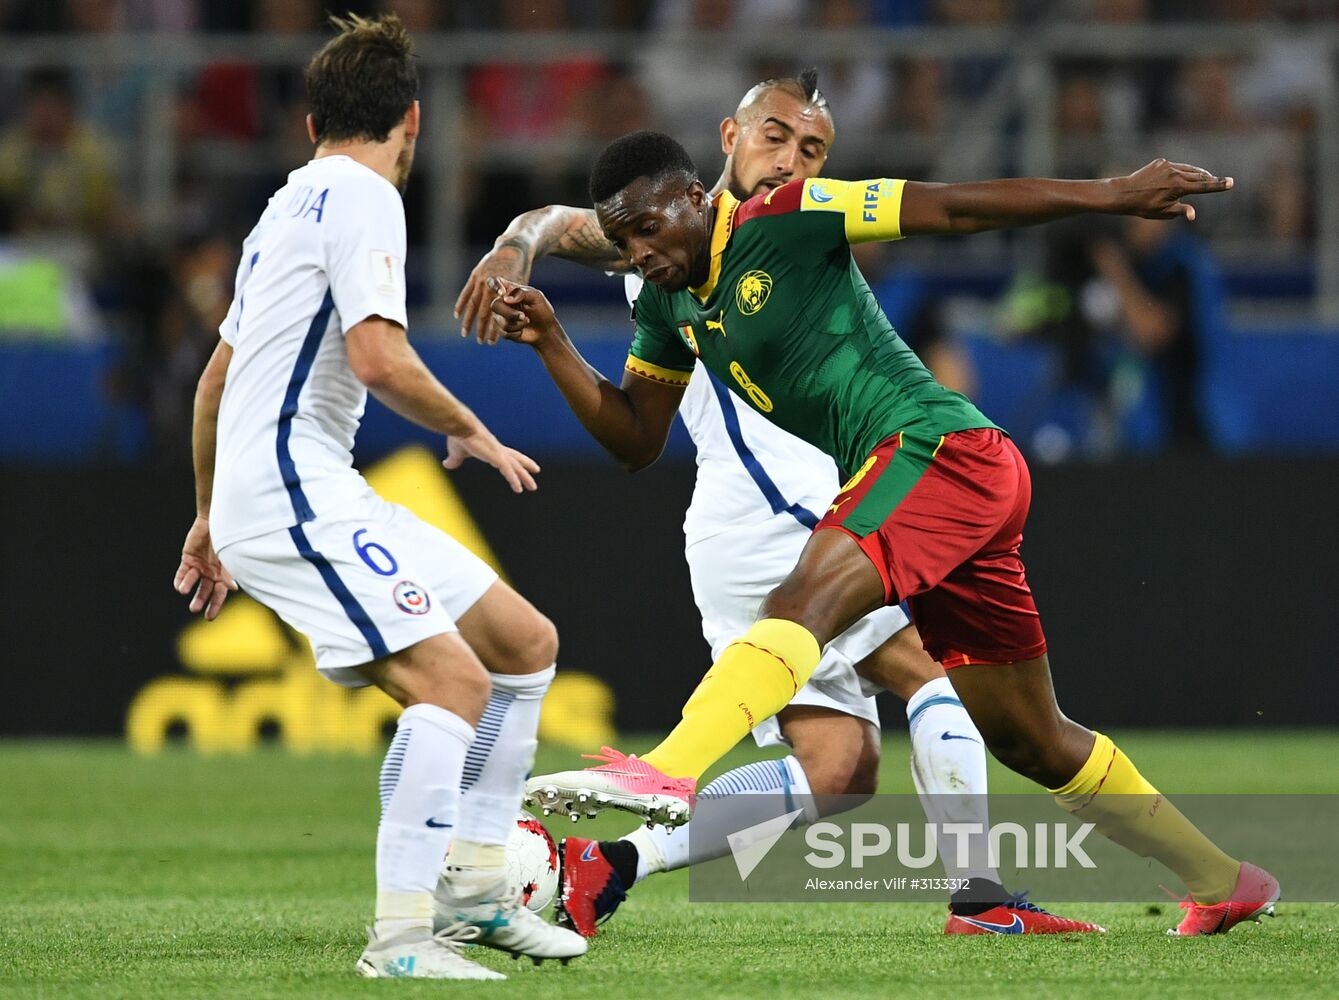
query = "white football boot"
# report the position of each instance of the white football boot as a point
(495, 911)
(420, 954)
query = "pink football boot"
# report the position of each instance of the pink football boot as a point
(621, 782)
(1253, 896)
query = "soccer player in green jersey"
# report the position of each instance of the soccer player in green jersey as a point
(766, 294)
(753, 505)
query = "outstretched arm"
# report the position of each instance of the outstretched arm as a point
(631, 421)
(1155, 191)
(382, 358)
(556, 231)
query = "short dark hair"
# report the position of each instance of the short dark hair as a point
(363, 80)
(638, 154)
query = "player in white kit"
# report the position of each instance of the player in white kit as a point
(318, 319)
(758, 494)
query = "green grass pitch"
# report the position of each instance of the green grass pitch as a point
(184, 876)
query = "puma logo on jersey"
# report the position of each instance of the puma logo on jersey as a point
(717, 324)
(833, 508)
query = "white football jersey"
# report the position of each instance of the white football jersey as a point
(748, 469)
(327, 253)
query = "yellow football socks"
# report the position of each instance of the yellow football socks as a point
(755, 678)
(1110, 793)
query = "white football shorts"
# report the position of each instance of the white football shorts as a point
(733, 571)
(364, 585)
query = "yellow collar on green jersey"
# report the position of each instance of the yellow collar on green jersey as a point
(726, 203)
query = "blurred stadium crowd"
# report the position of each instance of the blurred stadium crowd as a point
(126, 183)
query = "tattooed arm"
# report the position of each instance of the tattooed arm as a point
(556, 231)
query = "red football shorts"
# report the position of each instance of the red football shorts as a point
(942, 519)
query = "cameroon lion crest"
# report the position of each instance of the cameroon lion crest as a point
(752, 291)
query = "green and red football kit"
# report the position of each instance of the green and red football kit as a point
(937, 494)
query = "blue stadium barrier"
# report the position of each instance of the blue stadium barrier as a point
(1273, 391)
(56, 404)
(1259, 390)
(1265, 390)
(1015, 382)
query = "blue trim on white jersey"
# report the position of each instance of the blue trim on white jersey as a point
(289, 470)
(241, 293)
(939, 699)
(751, 464)
(342, 593)
(301, 369)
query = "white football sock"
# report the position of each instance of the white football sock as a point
(500, 758)
(948, 767)
(420, 791)
(736, 800)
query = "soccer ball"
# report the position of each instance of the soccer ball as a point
(532, 862)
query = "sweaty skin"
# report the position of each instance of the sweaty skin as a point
(669, 245)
